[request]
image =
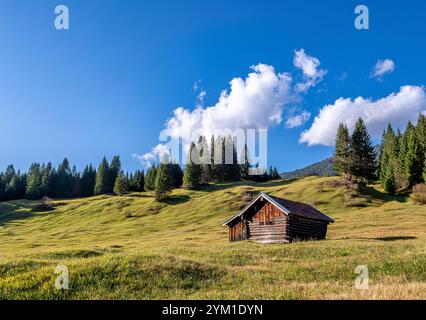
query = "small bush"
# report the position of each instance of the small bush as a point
(419, 194)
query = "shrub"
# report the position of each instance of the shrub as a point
(419, 193)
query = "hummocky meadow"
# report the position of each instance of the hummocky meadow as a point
(132, 247)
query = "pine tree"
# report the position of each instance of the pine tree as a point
(205, 160)
(413, 157)
(389, 181)
(114, 171)
(245, 163)
(192, 174)
(63, 180)
(88, 181)
(363, 155)
(342, 151)
(163, 182)
(137, 181)
(33, 191)
(421, 137)
(120, 186)
(150, 178)
(102, 176)
(45, 179)
(388, 157)
(213, 166)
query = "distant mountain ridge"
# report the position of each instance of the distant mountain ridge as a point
(322, 168)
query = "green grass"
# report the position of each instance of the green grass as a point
(132, 247)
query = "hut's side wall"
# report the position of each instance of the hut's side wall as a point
(268, 225)
(306, 229)
(238, 231)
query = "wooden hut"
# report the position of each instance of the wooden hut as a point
(269, 219)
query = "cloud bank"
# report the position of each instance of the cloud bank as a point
(257, 101)
(397, 109)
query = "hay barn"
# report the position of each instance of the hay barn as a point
(269, 219)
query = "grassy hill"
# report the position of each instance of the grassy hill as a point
(132, 247)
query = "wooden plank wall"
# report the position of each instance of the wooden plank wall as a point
(268, 225)
(306, 229)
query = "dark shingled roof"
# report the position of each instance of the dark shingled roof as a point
(302, 209)
(289, 207)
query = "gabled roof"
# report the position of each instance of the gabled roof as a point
(288, 207)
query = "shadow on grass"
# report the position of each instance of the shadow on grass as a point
(174, 200)
(376, 194)
(396, 238)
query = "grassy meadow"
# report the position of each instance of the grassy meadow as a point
(131, 247)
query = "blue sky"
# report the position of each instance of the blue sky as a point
(108, 85)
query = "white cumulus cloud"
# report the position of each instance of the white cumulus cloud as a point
(310, 66)
(297, 120)
(383, 67)
(254, 102)
(397, 109)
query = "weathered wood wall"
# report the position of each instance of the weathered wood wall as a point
(270, 225)
(306, 229)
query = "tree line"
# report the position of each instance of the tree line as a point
(401, 162)
(214, 162)
(65, 182)
(208, 163)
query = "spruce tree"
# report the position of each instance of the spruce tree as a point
(245, 163)
(150, 178)
(102, 178)
(45, 180)
(88, 181)
(120, 186)
(163, 182)
(388, 156)
(114, 171)
(389, 181)
(413, 157)
(192, 174)
(33, 191)
(205, 159)
(363, 155)
(64, 184)
(421, 137)
(342, 151)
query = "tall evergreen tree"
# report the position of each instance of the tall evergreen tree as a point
(102, 178)
(34, 182)
(363, 155)
(192, 174)
(114, 171)
(120, 185)
(388, 158)
(150, 178)
(205, 160)
(342, 151)
(64, 186)
(245, 163)
(413, 157)
(45, 179)
(163, 182)
(88, 181)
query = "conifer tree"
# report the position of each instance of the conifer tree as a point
(120, 186)
(245, 163)
(102, 178)
(34, 182)
(45, 180)
(163, 182)
(342, 151)
(192, 174)
(363, 155)
(63, 180)
(413, 157)
(114, 171)
(88, 181)
(150, 178)
(388, 157)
